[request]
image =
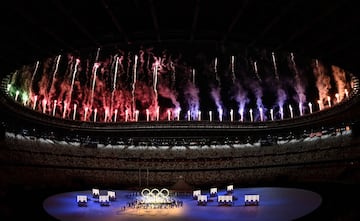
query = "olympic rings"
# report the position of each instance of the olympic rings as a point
(163, 193)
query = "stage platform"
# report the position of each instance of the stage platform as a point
(276, 204)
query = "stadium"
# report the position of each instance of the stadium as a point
(179, 115)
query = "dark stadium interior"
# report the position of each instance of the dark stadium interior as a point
(35, 30)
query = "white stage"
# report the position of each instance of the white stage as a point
(276, 203)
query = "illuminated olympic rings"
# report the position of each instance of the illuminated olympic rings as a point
(156, 193)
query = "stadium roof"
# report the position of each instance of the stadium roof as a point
(35, 29)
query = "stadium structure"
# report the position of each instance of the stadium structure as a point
(129, 117)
